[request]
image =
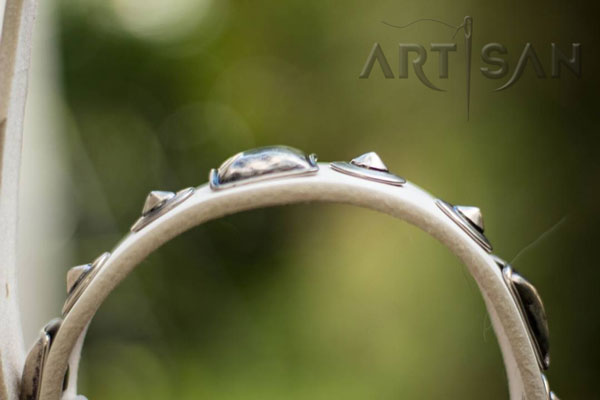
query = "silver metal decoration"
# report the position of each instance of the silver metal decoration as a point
(34, 363)
(551, 395)
(473, 214)
(532, 309)
(158, 203)
(155, 200)
(499, 261)
(370, 160)
(76, 274)
(82, 283)
(368, 166)
(470, 227)
(260, 164)
(546, 384)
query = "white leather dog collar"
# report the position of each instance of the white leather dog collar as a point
(281, 175)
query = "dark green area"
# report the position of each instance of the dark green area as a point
(298, 302)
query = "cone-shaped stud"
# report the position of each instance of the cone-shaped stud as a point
(75, 274)
(156, 199)
(370, 160)
(473, 214)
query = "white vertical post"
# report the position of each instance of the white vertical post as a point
(47, 220)
(15, 48)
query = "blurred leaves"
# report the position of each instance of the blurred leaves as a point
(326, 302)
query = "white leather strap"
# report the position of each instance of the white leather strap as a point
(407, 202)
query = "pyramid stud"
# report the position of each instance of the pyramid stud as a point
(370, 167)
(76, 274)
(79, 277)
(370, 160)
(158, 203)
(155, 200)
(473, 214)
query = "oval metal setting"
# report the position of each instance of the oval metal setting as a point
(532, 308)
(472, 230)
(261, 164)
(367, 173)
(35, 361)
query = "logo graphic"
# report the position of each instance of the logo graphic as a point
(488, 56)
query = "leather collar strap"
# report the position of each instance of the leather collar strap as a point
(281, 175)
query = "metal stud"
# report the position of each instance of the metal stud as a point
(368, 166)
(473, 214)
(76, 274)
(499, 261)
(260, 164)
(155, 200)
(532, 308)
(546, 384)
(83, 282)
(530, 304)
(158, 203)
(370, 160)
(551, 394)
(473, 230)
(34, 363)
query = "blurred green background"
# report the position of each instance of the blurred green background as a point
(321, 301)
